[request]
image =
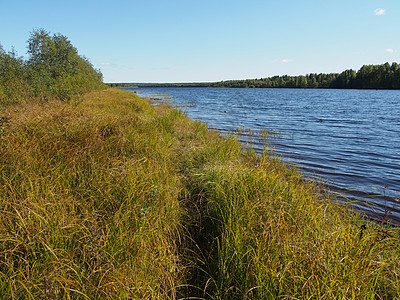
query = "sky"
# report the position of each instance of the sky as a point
(212, 40)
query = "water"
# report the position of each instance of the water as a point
(350, 139)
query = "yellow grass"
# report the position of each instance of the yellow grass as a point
(114, 198)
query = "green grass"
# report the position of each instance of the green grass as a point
(113, 198)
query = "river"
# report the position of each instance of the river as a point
(349, 139)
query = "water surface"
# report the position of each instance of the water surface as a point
(348, 138)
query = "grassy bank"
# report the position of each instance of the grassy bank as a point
(113, 198)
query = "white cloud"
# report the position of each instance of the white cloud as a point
(379, 12)
(390, 50)
(106, 64)
(285, 60)
(282, 61)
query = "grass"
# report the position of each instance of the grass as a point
(113, 198)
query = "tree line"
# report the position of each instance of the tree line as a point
(53, 69)
(384, 76)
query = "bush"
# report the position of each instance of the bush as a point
(54, 69)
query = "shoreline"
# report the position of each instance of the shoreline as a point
(114, 198)
(367, 203)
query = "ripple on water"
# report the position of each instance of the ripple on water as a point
(349, 138)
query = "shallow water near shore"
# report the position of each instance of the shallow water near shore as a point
(349, 139)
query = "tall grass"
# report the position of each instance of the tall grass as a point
(274, 236)
(90, 206)
(112, 198)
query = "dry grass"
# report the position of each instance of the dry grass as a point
(89, 203)
(113, 198)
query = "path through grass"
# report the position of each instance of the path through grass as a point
(114, 198)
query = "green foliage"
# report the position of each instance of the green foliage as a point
(368, 77)
(53, 55)
(54, 69)
(380, 76)
(12, 72)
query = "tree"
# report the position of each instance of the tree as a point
(12, 77)
(54, 55)
(384, 76)
(54, 69)
(56, 65)
(394, 67)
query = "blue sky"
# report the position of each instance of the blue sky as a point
(195, 41)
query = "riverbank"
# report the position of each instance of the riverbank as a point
(114, 198)
(354, 150)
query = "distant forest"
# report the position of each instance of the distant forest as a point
(384, 76)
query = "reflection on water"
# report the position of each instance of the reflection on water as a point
(348, 138)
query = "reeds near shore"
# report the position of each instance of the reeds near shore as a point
(113, 198)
